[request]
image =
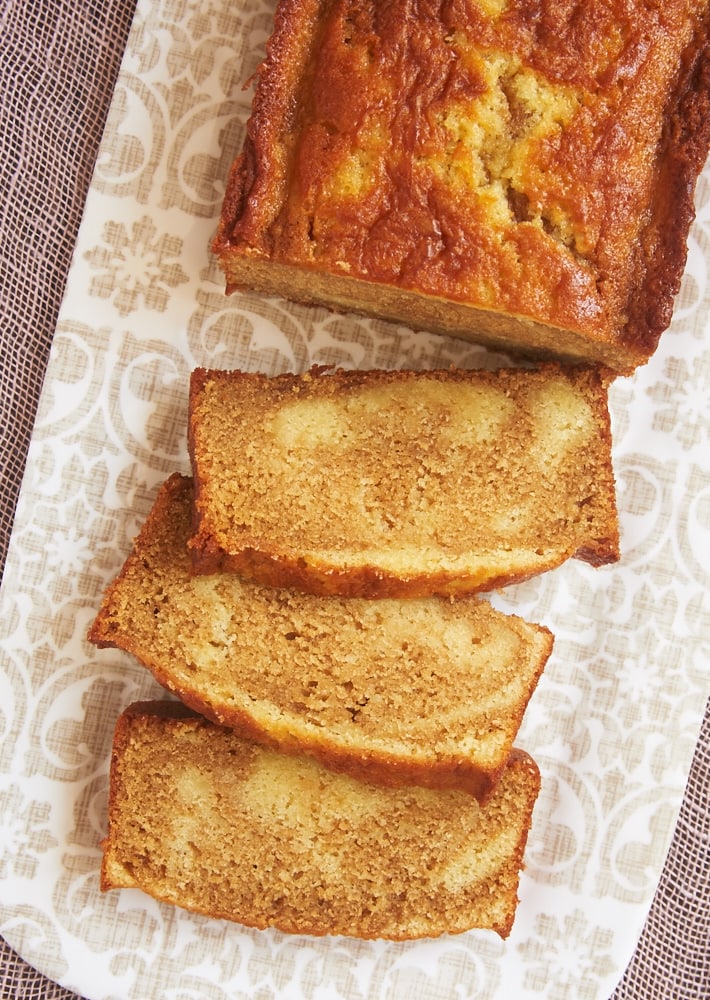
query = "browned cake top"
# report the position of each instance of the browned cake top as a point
(521, 156)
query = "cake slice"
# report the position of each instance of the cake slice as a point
(401, 483)
(521, 175)
(428, 691)
(204, 820)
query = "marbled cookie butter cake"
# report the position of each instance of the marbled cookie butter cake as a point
(428, 692)
(401, 483)
(200, 818)
(516, 173)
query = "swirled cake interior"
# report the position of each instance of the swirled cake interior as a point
(204, 820)
(426, 691)
(401, 483)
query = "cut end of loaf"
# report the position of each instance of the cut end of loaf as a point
(522, 182)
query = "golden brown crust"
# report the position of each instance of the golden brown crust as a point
(682, 154)
(372, 583)
(201, 819)
(371, 691)
(532, 171)
(342, 519)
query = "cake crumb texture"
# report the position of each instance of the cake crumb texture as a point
(401, 483)
(204, 820)
(425, 691)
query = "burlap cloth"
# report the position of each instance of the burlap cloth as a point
(59, 63)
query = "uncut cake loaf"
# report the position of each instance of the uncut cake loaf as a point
(400, 483)
(428, 692)
(204, 820)
(517, 174)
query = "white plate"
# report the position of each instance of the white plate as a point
(612, 724)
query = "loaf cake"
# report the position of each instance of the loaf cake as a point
(200, 818)
(428, 691)
(519, 175)
(401, 483)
